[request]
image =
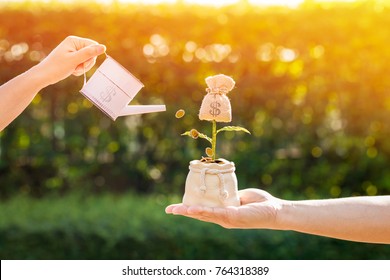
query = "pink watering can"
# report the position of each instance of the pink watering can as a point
(112, 87)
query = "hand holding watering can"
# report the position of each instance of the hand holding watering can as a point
(112, 87)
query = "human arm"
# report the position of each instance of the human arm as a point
(73, 55)
(363, 219)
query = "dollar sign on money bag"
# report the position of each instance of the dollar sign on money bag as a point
(215, 111)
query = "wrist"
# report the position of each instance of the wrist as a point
(38, 77)
(284, 219)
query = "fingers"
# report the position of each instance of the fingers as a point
(84, 53)
(89, 52)
(206, 214)
(169, 209)
(88, 56)
(77, 43)
(181, 209)
(84, 67)
(195, 212)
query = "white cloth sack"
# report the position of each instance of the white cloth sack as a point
(211, 184)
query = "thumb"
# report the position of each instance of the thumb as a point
(253, 195)
(89, 52)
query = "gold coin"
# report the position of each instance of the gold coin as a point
(209, 152)
(180, 113)
(194, 133)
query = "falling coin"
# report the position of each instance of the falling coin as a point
(194, 133)
(209, 152)
(180, 113)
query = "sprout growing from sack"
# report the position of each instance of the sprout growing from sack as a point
(215, 108)
(212, 182)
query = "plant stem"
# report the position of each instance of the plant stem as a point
(214, 143)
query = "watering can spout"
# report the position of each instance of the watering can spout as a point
(141, 109)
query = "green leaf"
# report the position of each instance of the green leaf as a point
(233, 128)
(204, 136)
(200, 135)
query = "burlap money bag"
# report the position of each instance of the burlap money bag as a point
(216, 105)
(211, 184)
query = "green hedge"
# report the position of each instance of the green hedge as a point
(136, 227)
(312, 87)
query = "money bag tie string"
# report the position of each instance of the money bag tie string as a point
(223, 193)
(217, 90)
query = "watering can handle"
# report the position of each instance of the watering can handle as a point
(85, 71)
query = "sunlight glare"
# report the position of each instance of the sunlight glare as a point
(217, 3)
(290, 3)
(214, 2)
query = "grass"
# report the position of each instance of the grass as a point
(131, 226)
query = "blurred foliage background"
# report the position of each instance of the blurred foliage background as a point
(312, 85)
